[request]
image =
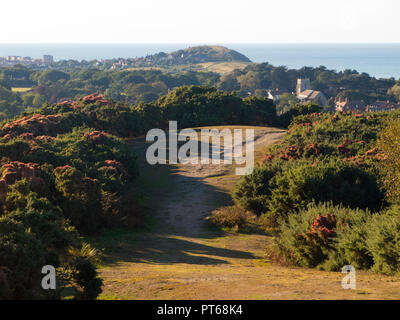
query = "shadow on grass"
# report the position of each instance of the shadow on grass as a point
(144, 247)
(159, 243)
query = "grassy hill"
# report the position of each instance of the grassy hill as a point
(192, 56)
(201, 54)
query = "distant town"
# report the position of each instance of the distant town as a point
(305, 94)
(9, 61)
(189, 56)
(47, 61)
(31, 82)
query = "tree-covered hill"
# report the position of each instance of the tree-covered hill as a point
(201, 54)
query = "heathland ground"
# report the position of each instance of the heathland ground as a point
(179, 255)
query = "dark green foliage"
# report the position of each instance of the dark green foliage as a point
(357, 238)
(15, 149)
(80, 199)
(53, 76)
(34, 233)
(297, 110)
(80, 172)
(202, 106)
(278, 191)
(307, 242)
(253, 191)
(383, 241)
(72, 79)
(191, 106)
(10, 103)
(321, 190)
(389, 144)
(330, 82)
(323, 157)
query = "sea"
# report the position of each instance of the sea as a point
(378, 60)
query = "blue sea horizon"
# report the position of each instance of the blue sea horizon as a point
(379, 60)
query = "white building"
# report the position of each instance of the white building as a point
(47, 59)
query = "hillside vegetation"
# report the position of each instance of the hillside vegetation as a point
(152, 77)
(203, 54)
(325, 190)
(66, 172)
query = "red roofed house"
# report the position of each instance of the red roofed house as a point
(349, 105)
(382, 106)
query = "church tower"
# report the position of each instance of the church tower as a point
(302, 84)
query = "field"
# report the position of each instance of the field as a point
(221, 67)
(20, 89)
(217, 67)
(180, 256)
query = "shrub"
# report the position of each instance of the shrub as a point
(350, 237)
(230, 217)
(93, 170)
(80, 198)
(383, 241)
(325, 236)
(277, 190)
(299, 109)
(34, 234)
(253, 191)
(195, 106)
(389, 144)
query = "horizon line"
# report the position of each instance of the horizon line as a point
(197, 43)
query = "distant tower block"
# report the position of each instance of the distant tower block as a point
(47, 59)
(303, 84)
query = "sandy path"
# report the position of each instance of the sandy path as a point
(183, 259)
(190, 203)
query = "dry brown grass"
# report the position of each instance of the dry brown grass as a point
(221, 67)
(231, 217)
(20, 90)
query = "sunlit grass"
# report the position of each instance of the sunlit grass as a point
(20, 90)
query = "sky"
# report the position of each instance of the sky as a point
(200, 21)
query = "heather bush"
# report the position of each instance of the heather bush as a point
(389, 144)
(253, 191)
(85, 172)
(299, 109)
(80, 199)
(325, 236)
(14, 149)
(330, 237)
(318, 136)
(196, 106)
(230, 217)
(383, 241)
(34, 233)
(277, 189)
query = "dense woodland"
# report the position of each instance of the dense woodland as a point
(148, 85)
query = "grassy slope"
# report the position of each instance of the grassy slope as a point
(22, 90)
(217, 67)
(167, 261)
(220, 67)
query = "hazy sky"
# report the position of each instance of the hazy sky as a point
(200, 21)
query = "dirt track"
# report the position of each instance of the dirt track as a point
(181, 258)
